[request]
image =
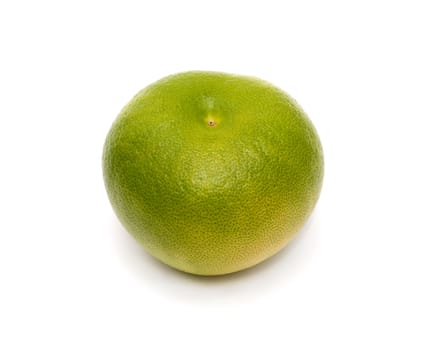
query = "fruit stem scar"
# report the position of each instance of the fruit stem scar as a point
(211, 120)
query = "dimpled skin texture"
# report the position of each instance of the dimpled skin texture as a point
(211, 172)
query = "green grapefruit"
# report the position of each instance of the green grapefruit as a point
(212, 172)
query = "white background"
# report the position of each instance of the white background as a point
(72, 278)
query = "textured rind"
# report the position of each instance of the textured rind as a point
(205, 199)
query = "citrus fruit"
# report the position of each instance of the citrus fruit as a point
(212, 172)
